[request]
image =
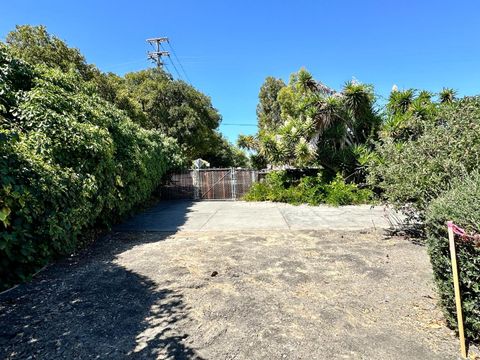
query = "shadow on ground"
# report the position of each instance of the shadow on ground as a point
(256, 294)
(168, 215)
(90, 307)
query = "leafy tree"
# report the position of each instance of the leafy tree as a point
(268, 108)
(405, 111)
(175, 108)
(113, 88)
(36, 46)
(151, 98)
(223, 154)
(400, 101)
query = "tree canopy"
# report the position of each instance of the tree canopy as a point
(308, 124)
(36, 46)
(151, 97)
(268, 108)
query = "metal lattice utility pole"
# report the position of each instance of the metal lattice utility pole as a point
(156, 56)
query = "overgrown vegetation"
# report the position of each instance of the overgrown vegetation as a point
(461, 205)
(68, 160)
(314, 190)
(150, 98)
(306, 124)
(425, 150)
(425, 163)
(80, 148)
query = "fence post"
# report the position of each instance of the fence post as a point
(234, 183)
(196, 183)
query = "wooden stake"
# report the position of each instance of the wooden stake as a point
(456, 285)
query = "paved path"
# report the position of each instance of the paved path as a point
(240, 215)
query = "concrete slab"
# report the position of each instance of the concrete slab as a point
(241, 219)
(170, 216)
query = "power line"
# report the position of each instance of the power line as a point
(239, 124)
(176, 70)
(168, 70)
(178, 60)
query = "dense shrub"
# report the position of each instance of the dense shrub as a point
(338, 192)
(68, 160)
(419, 169)
(313, 190)
(461, 205)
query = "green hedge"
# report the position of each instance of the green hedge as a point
(461, 205)
(68, 161)
(278, 186)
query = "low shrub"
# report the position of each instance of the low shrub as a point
(313, 190)
(460, 205)
(68, 160)
(338, 192)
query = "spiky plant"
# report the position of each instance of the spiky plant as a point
(447, 95)
(248, 142)
(399, 101)
(319, 125)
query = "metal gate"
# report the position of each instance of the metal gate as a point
(210, 184)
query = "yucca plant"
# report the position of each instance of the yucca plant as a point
(399, 101)
(319, 126)
(447, 95)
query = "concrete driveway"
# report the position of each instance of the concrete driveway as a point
(241, 215)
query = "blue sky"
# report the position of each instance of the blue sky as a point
(228, 47)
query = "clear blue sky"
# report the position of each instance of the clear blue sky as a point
(228, 47)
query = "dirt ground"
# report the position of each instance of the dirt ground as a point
(231, 295)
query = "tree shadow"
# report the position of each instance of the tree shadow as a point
(88, 306)
(167, 216)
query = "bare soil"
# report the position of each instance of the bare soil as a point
(231, 295)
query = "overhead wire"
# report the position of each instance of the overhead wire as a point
(168, 70)
(176, 70)
(178, 60)
(171, 62)
(239, 124)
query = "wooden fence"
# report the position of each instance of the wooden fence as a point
(211, 184)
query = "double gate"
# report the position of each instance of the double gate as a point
(210, 184)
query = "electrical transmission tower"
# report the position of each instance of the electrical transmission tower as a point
(156, 56)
